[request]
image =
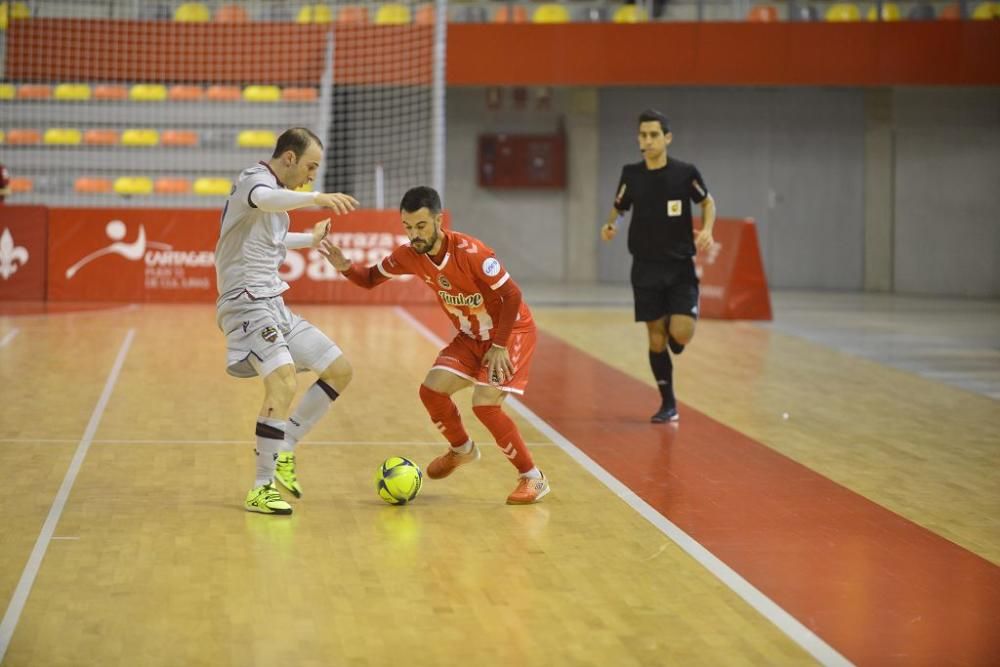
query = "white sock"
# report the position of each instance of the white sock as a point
(534, 473)
(463, 449)
(311, 408)
(270, 435)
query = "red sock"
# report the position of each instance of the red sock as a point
(508, 438)
(445, 415)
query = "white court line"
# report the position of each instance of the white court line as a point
(9, 337)
(16, 606)
(766, 607)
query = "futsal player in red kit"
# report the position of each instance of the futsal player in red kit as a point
(493, 347)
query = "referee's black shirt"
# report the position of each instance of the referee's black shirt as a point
(660, 229)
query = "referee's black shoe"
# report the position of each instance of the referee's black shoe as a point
(667, 413)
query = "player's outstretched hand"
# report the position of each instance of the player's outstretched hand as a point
(340, 203)
(334, 255)
(703, 239)
(320, 230)
(608, 231)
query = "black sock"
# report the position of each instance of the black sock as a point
(663, 371)
(675, 347)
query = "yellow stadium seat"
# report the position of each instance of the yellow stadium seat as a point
(7, 91)
(2, 136)
(843, 11)
(551, 13)
(91, 185)
(314, 14)
(256, 139)
(630, 14)
(212, 186)
(140, 137)
(392, 13)
(62, 136)
(261, 93)
(890, 12)
(148, 92)
(12, 11)
(987, 11)
(133, 185)
(72, 91)
(192, 12)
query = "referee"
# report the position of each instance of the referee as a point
(662, 242)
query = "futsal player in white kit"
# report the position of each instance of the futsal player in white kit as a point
(263, 337)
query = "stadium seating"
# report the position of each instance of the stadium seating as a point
(550, 13)
(100, 137)
(890, 12)
(223, 93)
(182, 93)
(192, 12)
(30, 91)
(593, 14)
(13, 11)
(843, 11)
(921, 12)
(62, 136)
(72, 91)
(314, 14)
(987, 11)
(473, 14)
(261, 93)
(7, 91)
(232, 13)
(140, 137)
(256, 139)
(172, 186)
(630, 14)
(210, 187)
(179, 138)
(23, 136)
(133, 185)
(21, 184)
(763, 14)
(424, 14)
(803, 13)
(147, 92)
(92, 185)
(299, 95)
(392, 13)
(510, 14)
(352, 15)
(110, 92)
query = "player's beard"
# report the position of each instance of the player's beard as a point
(425, 246)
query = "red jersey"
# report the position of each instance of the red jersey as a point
(470, 282)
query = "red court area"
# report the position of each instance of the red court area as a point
(878, 588)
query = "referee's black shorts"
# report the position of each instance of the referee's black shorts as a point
(664, 288)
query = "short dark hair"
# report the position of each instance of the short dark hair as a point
(297, 140)
(651, 115)
(420, 197)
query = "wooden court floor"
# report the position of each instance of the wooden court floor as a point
(863, 528)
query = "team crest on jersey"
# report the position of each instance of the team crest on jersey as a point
(270, 334)
(443, 281)
(491, 266)
(674, 208)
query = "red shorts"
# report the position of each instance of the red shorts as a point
(464, 356)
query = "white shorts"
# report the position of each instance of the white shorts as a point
(262, 335)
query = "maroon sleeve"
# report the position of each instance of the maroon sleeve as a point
(511, 295)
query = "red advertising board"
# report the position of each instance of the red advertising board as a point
(167, 255)
(23, 232)
(733, 284)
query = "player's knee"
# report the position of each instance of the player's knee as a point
(657, 342)
(484, 396)
(338, 374)
(279, 387)
(682, 333)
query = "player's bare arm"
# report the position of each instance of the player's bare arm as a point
(703, 240)
(610, 228)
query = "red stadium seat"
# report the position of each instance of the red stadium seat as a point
(90, 185)
(31, 91)
(99, 137)
(179, 138)
(110, 92)
(232, 13)
(510, 14)
(763, 14)
(24, 136)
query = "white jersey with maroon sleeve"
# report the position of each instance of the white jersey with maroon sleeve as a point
(465, 282)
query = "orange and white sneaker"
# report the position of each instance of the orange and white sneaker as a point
(445, 464)
(529, 491)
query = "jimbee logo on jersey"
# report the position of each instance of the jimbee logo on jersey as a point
(491, 266)
(674, 208)
(443, 281)
(270, 334)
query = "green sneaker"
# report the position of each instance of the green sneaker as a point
(284, 471)
(266, 500)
